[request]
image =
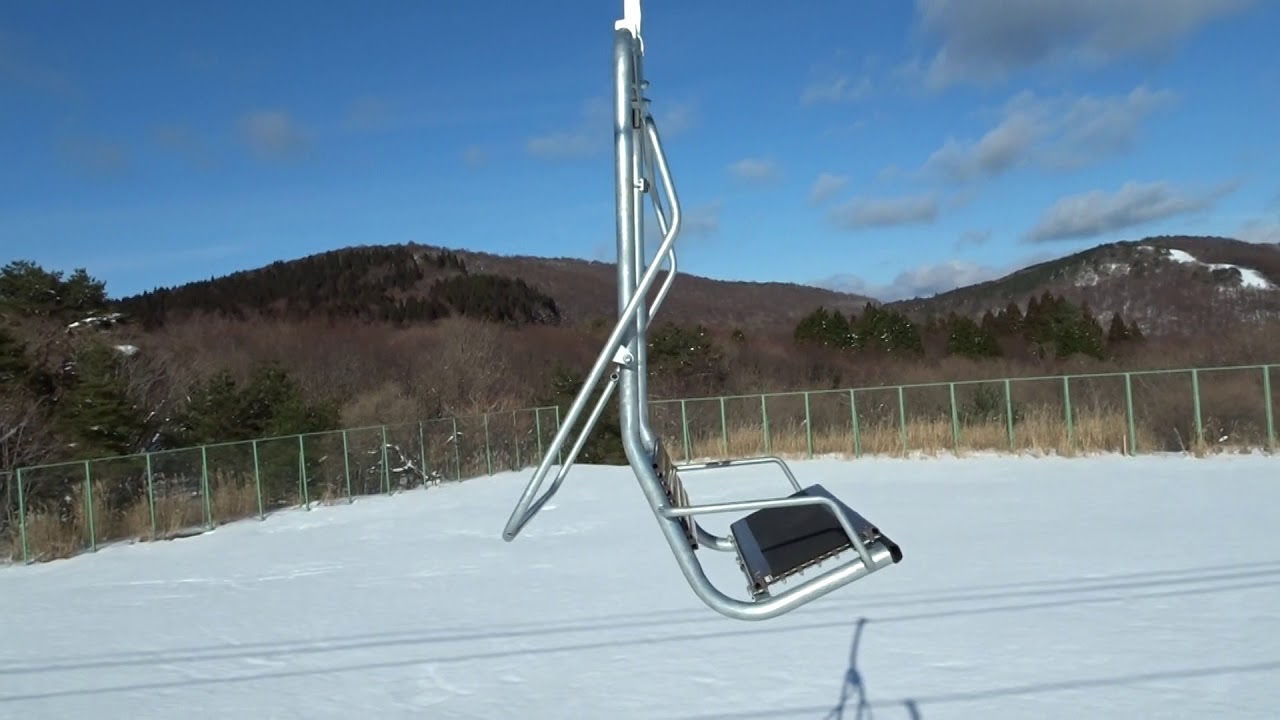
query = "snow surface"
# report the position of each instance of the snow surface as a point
(1248, 277)
(95, 321)
(1102, 587)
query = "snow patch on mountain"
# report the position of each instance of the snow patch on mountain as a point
(1249, 278)
(1090, 276)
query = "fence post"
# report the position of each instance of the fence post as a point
(808, 424)
(560, 452)
(537, 428)
(303, 490)
(1008, 412)
(684, 431)
(22, 520)
(422, 451)
(853, 418)
(151, 496)
(955, 419)
(764, 420)
(1195, 404)
(204, 483)
(386, 464)
(88, 506)
(515, 426)
(725, 427)
(457, 452)
(1266, 398)
(902, 418)
(1067, 414)
(346, 465)
(257, 482)
(488, 452)
(1128, 411)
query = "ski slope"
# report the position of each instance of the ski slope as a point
(1102, 587)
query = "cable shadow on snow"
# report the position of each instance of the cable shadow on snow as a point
(1208, 582)
(853, 683)
(652, 634)
(911, 706)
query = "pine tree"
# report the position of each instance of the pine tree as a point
(969, 339)
(888, 331)
(95, 412)
(1118, 332)
(14, 368)
(686, 353)
(1009, 320)
(828, 328)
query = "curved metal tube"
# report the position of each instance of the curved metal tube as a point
(739, 462)
(596, 412)
(614, 343)
(684, 554)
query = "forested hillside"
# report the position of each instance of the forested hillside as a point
(380, 335)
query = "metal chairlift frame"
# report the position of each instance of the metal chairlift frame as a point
(782, 536)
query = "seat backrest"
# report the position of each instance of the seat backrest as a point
(666, 470)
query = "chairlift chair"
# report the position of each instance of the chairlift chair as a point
(779, 538)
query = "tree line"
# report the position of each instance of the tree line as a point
(73, 387)
(1051, 326)
(374, 284)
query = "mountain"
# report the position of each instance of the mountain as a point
(1165, 283)
(403, 283)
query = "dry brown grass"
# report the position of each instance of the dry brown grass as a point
(1039, 432)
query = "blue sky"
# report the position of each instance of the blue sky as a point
(894, 148)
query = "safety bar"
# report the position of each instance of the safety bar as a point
(720, 542)
(762, 460)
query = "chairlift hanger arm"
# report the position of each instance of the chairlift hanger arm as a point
(780, 538)
(613, 351)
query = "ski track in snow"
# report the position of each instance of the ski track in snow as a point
(1099, 587)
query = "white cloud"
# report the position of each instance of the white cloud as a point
(835, 89)
(475, 156)
(1058, 133)
(184, 142)
(973, 238)
(698, 222)
(581, 141)
(832, 81)
(95, 157)
(701, 221)
(826, 186)
(1260, 230)
(21, 66)
(563, 145)
(273, 134)
(985, 41)
(674, 118)
(867, 212)
(1095, 212)
(368, 114)
(755, 170)
(920, 281)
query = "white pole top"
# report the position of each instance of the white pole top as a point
(630, 17)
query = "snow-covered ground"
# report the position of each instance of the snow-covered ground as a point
(1042, 588)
